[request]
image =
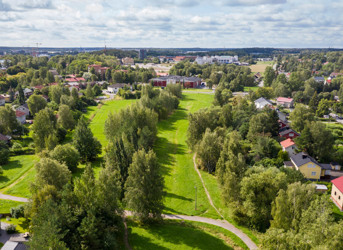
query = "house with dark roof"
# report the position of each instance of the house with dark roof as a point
(308, 166)
(114, 88)
(337, 192)
(5, 138)
(319, 79)
(2, 100)
(288, 133)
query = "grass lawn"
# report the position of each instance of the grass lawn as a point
(177, 163)
(5, 205)
(22, 187)
(182, 235)
(199, 90)
(247, 89)
(21, 223)
(17, 166)
(260, 66)
(100, 115)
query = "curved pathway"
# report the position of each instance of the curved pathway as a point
(221, 223)
(13, 198)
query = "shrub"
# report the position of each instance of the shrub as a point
(11, 229)
(66, 154)
(4, 155)
(17, 212)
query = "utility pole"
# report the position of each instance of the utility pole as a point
(195, 197)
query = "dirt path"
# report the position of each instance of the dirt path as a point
(13, 198)
(222, 223)
(126, 234)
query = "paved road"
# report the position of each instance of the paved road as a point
(13, 198)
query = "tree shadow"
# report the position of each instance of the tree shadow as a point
(12, 164)
(175, 196)
(187, 98)
(169, 124)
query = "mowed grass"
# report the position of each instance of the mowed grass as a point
(22, 224)
(5, 205)
(181, 180)
(22, 187)
(199, 90)
(182, 235)
(260, 66)
(17, 166)
(99, 115)
(247, 89)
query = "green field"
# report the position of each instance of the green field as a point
(16, 167)
(22, 187)
(199, 90)
(182, 235)
(247, 89)
(5, 205)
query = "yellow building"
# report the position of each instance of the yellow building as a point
(309, 167)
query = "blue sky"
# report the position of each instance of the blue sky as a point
(172, 23)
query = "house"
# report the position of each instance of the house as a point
(335, 166)
(285, 102)
(7, 98)
(114, 88)
(319, 79)
(2, 100)
(27, 92)
(288, 134)
(337, 192)
(98, 69)
(282, 116)
(128, 61)
(24, 108)
(5, 138)
(288, 146)
(21, 116)
(188, 82)
(257, 77)
(307, 165)
(320, 188)
(260, 103)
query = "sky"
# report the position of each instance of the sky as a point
(172, 23)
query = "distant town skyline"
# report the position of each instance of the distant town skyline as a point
(172, 23)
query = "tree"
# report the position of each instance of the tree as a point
(44, 130)
(323, 108)
(4, 156)
(66, 154)
(55, 93)
(208, 150)
(84, 141)
(21, 96)
(65, 117)
(269, 76)
(175, 89)
(300, 115)
(89, 92)
(144, 186)
(51, 172)
(264, 123)
(314, 102)
(289, 205)
(36, 103)
(8, 120)
(97, 90)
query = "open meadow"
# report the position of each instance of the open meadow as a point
(260, 66)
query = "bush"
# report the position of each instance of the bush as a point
(66, 154)
(17, 212)
(4, 155)
(1, 170)
(11, 229)
(16, 147)
(61, 134)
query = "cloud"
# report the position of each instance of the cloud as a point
(251, 2)
(31, 4)
(4, 6)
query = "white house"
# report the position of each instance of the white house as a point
(114, 88)
(27, 92)
(21, 116)
(2, 100)
(260, 103)
(288, 146)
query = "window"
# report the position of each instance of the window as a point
(291, 134)
(339, 197)
(310, 165)
(313, 173)
(335, 193)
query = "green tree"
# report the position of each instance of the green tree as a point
(323, 108)
(65, 117)
(314, 102)
(36, 103)
(208, 150)
(300, 115)
(21, 96)
(84, 141)
(55, 93)
(52, 172)
(89, 92)
(269, 76)
(144, 186)
(66, 154)
(44, 130)
(8, 120)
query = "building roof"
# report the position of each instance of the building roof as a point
(117, 85)
(177, 78)
(288, 164)
(263, 101)
(338, 182)
(319, 78)
(4, 138)
(284, 99)
(302, 158)
(326, 166)
(285, 132)
(287, 143)
(2, 97)
(18, 113)
(321, 187)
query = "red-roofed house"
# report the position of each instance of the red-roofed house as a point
(21, 116)
(285, 102)
(98, 69)
(337, 192)
(289, 146)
